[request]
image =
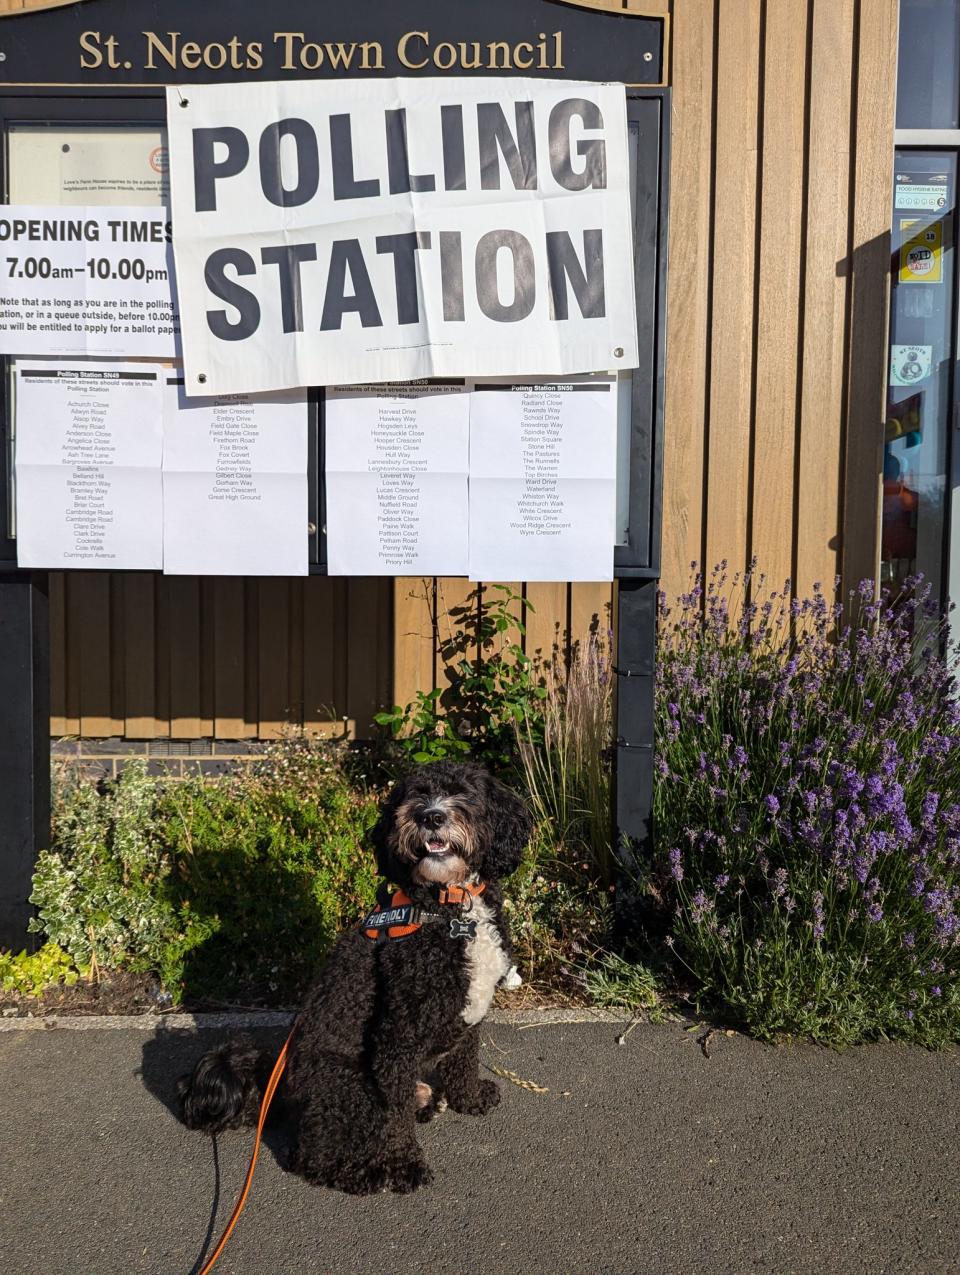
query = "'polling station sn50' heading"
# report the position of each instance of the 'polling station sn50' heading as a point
(334, 233)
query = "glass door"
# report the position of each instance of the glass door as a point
(920, 368)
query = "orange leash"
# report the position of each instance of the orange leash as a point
(278, 1069)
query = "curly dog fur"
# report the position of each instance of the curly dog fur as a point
(389, 1032)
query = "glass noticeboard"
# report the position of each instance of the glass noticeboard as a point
(56, 154)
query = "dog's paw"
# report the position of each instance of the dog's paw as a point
(409, 1175)
(484, 1098)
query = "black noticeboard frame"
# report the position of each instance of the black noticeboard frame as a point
(647, 110)
(37, 86)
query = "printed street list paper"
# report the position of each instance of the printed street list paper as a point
(89, 447)
(396, 471)
(543, 479)
(234, 483)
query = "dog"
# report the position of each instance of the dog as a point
(389, 1032)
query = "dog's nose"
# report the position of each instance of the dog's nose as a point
(433, 818)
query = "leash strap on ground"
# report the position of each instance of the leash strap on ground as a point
(275, 1076)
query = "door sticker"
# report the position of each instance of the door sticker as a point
(921, 252)
(910, 364)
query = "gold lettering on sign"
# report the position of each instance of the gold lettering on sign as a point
(423, 37)
(189, 55)
(301, 54)
(415, 52)
(92, 44)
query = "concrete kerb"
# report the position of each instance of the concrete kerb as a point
(254, 1019)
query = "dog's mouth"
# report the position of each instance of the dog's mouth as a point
(437, 846)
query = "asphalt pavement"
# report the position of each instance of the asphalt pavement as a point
(643, 1158)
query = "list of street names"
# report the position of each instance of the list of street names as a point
(397, 479)
(88, 450)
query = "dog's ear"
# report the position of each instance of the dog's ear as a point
(510, 825)
(378, 836)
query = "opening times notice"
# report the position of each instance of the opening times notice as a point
(80, 281)
(396, 470)
(89, 447)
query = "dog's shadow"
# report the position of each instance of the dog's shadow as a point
(169, 1054)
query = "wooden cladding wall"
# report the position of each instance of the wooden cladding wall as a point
(782, 169)
(426, 612)
(146, 656)
(782, 146)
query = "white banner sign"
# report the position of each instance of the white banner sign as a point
(83, 281)
(332, 233)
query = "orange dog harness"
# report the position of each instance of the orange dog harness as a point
(401, 917)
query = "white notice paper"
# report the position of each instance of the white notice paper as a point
(396, 472)
(88, 448)
(352, 231)
(543, 480)
(81, 281)
(234, 484)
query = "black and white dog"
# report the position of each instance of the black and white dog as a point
(389, 1032)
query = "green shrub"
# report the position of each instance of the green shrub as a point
(232, 889)
(101, 893)
(30, 973)
(272, 859)
(229, 889)
(492, 686)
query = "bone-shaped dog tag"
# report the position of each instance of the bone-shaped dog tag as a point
(463, 929)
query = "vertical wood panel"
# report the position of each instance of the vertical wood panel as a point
(182, 597)
(590, 611)
(95, 646)
(688, 288)
(413, 650)
(230, 638)
(369, 636)
(869, 262)
(732, 315)
(325, 650)
(137, 654)
(457, 599)
(274, 709)
(208, 657)
(546, 622)
(778, 305)
(819, 472)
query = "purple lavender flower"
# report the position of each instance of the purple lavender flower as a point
(676, 866)
(818, 917)
(700, 905)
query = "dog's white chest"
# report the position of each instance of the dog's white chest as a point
(487, 963)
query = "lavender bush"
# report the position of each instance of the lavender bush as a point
(807, 809)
